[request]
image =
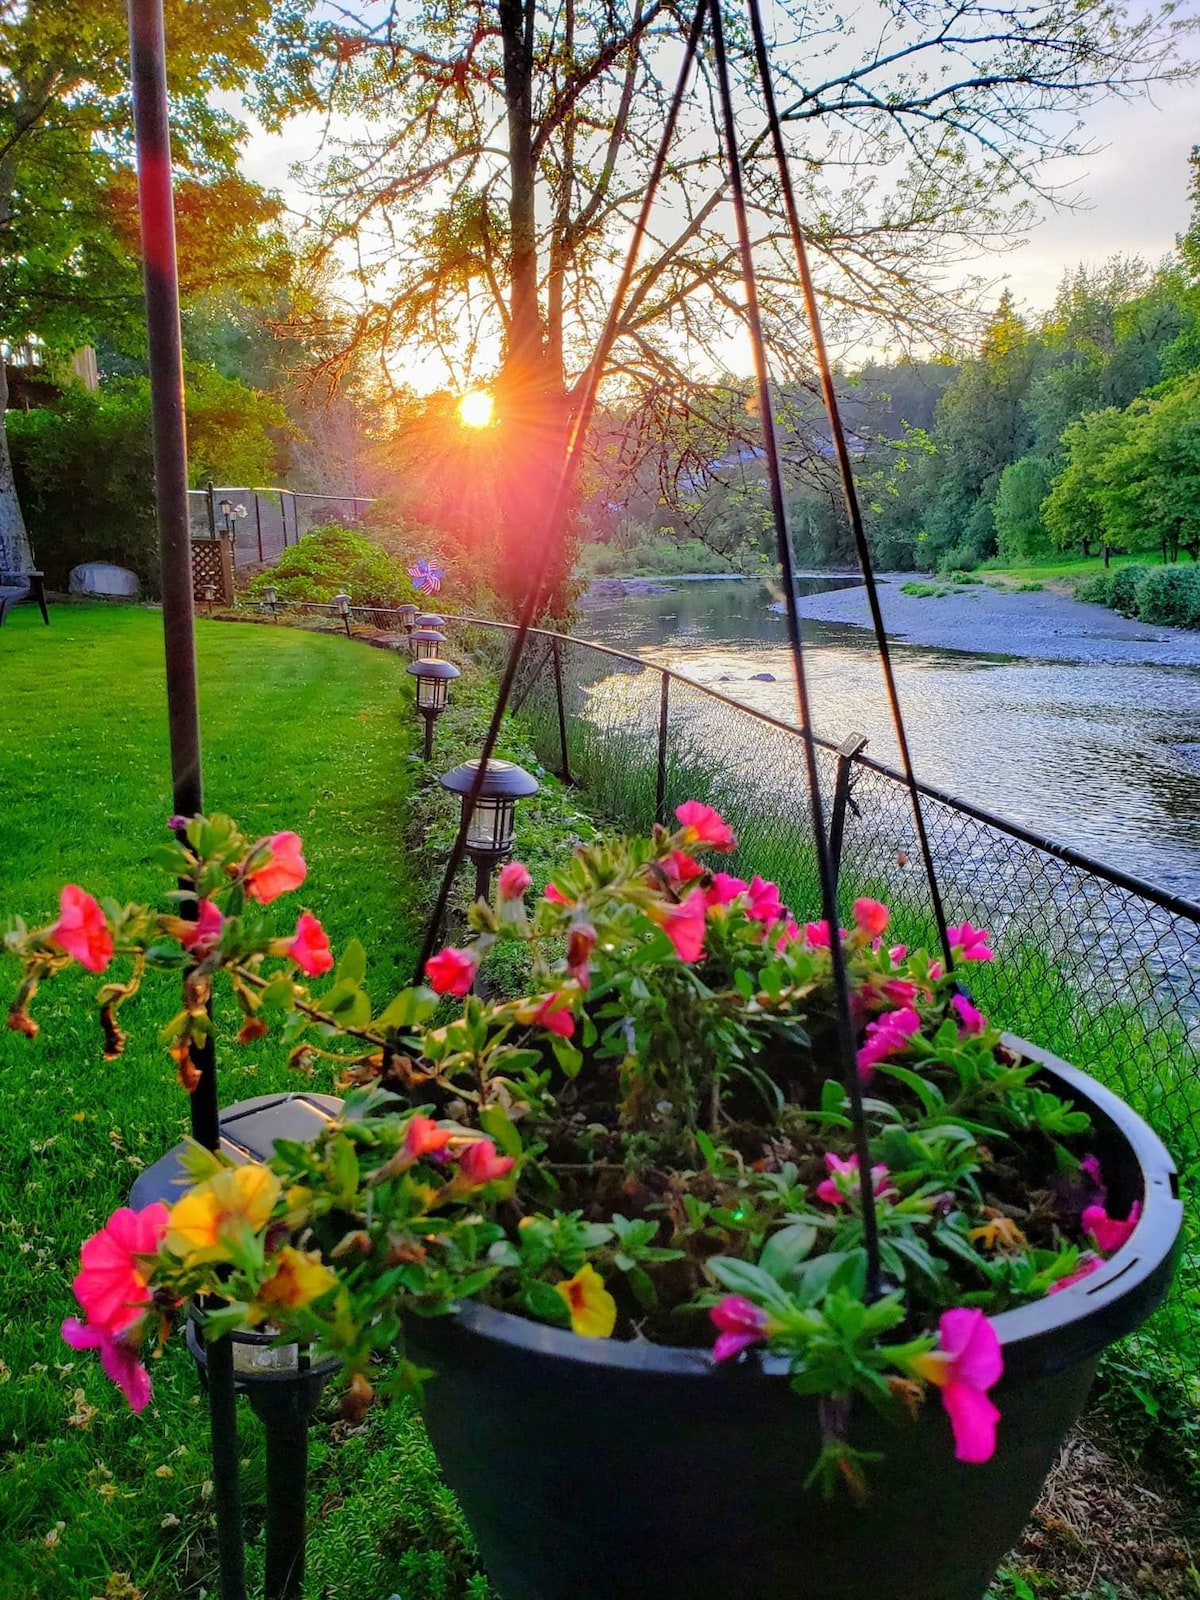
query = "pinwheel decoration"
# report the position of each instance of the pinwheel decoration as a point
(426, 577)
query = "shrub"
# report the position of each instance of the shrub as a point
(1168, 594)
(334, 560)
(85, 473)
(1122, 589)
(1094, 589)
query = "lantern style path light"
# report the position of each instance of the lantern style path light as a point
(430, 619)
(341, 603)
(488, 831)
(408, 616)
(433, 691)
(282, 1382)
(426, 644)
(270, 599)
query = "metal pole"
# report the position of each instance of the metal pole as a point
(483, 879)
(156, 205)
(258, 523)
(428, 735)
(660, 787)
(556, 648)
(210, 504)
(850, 747)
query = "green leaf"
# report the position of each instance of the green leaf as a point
(499, 1126)
(545, 1303)
(567, 1056)
(409, 1009)
(786, 1248)
(352, 968)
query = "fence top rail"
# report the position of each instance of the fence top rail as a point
(1178, 905)
(296, 494)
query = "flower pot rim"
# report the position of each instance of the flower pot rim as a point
(1084, 1318)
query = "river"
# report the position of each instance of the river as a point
(1060, 716)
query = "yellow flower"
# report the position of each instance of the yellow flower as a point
(593, 1310)
(214, 1212)
(299, 1279)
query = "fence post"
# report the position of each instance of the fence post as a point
(556, 650)
(258, 523)
(852, 745)
(660, 786)
(211, 506)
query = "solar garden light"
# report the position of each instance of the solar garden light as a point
(209, 594)
(430, 619)
(341, 603)
(433, 690)
(270, 597)
(408, 616)
(489, 832)
(426, 644)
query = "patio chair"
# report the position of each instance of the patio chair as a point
(20, 583)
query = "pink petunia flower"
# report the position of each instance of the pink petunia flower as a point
(970, 944)
(479, 1163)
(843, 1184)
(724, 889)
(515, 878)
(817, 934)
(897, 954)
(702, 825)
(203, 935)
(118, 1357)
(898, 991)
(451, 971)
(681, 867)
(554, 1014)
(81, 929)
(791, 932)
(556, 897)
(282, 871)
(741, 1322)
(1107, 1233)
(423, 1137)
(970, 1019)
(870, 918)
(886, 1036)
(111, 1284)
(966, 1365)
(309, 946)
(765, 904)
(684, 925)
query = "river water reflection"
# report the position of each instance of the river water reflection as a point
(1100, 755)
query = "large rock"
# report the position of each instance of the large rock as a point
(102, 578)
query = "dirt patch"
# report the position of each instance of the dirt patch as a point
(1104, 1520)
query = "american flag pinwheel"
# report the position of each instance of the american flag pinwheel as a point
(426, 577)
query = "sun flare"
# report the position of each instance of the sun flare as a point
(475, 409)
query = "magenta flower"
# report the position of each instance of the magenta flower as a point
(970, 1019)
(765, 905)
(817, 934)
(888, 1035)
(554, 1014)
(897, 954)
(684, 925)
(898, 991)
(724, 889)
(843, 1183)
(451, 971)
(82, 929)
(1107, 1233)
(791, 932)
(513, 881)
(968, 1363)
(870, 918)
(479, 1163)
(970, 944)
(556, 897)
(282, 871)
(1087, 1265)
(702, 825)
(741, 1322)
(309, 947)
(112, 1282)
(581, 941)
(203, 935)
(118, 1357)
(681, 867)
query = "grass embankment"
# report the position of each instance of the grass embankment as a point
(301, 731)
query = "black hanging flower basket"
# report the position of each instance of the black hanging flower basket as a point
(594, 1470)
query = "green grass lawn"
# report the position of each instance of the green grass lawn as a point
(1060, 572)
(300, 731)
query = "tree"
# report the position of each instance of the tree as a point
(1150, 479)
(1074, 511)
(69, 272)
(483, 210)
(1020, 533)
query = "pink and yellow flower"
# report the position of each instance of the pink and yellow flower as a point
(451, 971)
(423, 1137)
(112, 1283)
(554, 1014)
(742, 1324)
(966, 1365)
(82, 930)
(592, 1309)
(283, 870)
(309, 946)
(817, 934)
(683, 924)
(556, 897)
(479, 1163)
(723, 889)
(215, 1215)
(704, 826)
(300, 1277)
(765, 904)
(886, 1036)
(843, 1183)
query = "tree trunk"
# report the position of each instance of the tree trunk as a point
(15, 554)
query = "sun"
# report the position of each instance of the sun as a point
(475, 409)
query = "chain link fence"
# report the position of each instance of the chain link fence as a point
(1092, 964)
(264, 522)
